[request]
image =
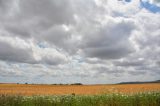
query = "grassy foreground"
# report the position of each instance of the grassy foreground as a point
(140, 99)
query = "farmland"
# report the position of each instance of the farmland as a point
(80, 95)
(29, 89)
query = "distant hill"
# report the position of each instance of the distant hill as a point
(140, 82)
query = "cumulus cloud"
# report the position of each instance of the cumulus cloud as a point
(99, 41)
(108, 41)
(137, 72)
(58, 12)
(7, 71)
(11, 53)
(49, 56)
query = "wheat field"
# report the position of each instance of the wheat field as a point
(31, 89)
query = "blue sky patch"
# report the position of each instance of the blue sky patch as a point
(41, 45)
(151, 7)
(127, 0)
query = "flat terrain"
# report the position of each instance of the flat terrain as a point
(28, 89)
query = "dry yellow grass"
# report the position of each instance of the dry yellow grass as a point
(27, 89)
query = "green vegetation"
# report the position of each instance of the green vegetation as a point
(141, 99)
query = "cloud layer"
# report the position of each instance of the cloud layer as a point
(93, 41)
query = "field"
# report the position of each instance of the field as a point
(80, 95)
(29, 89)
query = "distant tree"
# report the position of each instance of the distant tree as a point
(77, 84)
(26, 83)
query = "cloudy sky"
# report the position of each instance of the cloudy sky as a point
(86, 41)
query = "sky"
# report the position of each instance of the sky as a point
(79, 41)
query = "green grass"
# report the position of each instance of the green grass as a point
(140, 99)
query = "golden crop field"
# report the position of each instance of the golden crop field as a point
(29, 89)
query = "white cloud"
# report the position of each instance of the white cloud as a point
(98, 41)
